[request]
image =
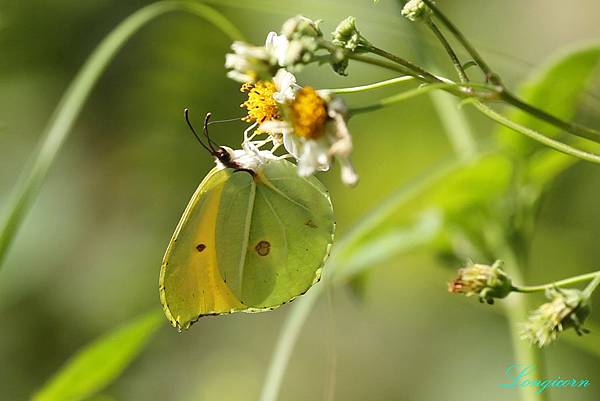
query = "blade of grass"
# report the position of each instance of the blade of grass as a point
(74, 98)
(99, 363)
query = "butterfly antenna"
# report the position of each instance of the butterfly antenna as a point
(211, 143)
(186, 114)
(225, 121)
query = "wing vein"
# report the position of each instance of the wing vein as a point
(279, 221)
(246, 238)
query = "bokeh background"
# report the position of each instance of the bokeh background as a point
(88, 256)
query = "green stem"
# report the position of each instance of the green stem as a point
(415, 69)
(561, 283)
(453, 118)
(592, 286)
(384, 64)
(516, 309)
(388, 101)
(462, 39)
(462, 75)
(74, 98)
(364, 88)
(554, 144)
(575, 129)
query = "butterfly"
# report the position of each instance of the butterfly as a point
(254, 236)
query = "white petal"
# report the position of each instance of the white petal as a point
(292, 143)
(285, 82)
(349, 176)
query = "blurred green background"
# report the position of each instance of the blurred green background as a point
(88, 256)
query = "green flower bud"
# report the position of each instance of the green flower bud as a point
(567, 308)
(299, 27)
(416, 10)
(488, 282)
(346, 35)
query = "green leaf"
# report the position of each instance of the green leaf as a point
(99, 363)
(556, 88)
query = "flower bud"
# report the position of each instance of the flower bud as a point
(301, 27)
(567, 308)
(416, 10)
(346, 35)
(488, 282)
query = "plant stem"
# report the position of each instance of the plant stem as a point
(462, 75)
(575, 129)
(416, 70)
(388, 101)
(453, 118)
(462, 39)
(73, 100)
(364, 88)
(552, 143)
(516, 309)
(592, 286)
(561, 283)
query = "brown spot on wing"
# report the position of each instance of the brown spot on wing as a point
(200, 247)
(263, 248)
(310, 224)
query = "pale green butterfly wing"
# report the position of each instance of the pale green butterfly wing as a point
(190, 283)
(275, 251)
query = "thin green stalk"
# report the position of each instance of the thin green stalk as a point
(388, 101)
(457, 127)
(592, 286)
(364, 88)
(416, 70)
(462, 75)
(516, 309)
(385, 64)
(560, 283)
(554, 144)
(575, 129)
(284, 347)
(73, 100)
(462, 39)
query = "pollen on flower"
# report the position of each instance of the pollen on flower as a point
(309, 113)
(260, 104)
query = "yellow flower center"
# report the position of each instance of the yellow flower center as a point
(308, 113)
(260, 104)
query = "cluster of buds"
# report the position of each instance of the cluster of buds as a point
(567, 308)
(295, 46)
(487, 282)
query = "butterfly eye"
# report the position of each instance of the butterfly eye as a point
(223, 156)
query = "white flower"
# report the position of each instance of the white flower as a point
(277, 46)
(248, 63)
(313, 128)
